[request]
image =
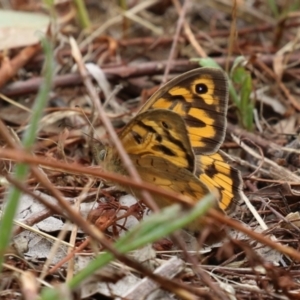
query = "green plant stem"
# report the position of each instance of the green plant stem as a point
(82, 14)
(21, 170)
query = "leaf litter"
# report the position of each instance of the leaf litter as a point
(131, 45)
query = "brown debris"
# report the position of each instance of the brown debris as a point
(259, 255)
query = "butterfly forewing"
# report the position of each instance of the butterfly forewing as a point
(201, 98)
(160, 133)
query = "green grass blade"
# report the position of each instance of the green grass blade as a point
(153, 228)
(21, 170)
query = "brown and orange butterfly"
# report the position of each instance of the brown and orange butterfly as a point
(175, 138)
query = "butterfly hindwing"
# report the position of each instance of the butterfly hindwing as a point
(157, 170)
(214, 171)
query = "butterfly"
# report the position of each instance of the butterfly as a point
(174, 141)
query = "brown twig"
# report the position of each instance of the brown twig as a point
(115, 73)
(255, 138)
(255, 235)
(112, 73)
(109, 127)
(188, 32)
(20, 156)
(175, 39)
(232, 36)
(9, 68)
(283, 88)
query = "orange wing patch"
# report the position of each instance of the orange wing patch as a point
(215, 172)
(200, 97)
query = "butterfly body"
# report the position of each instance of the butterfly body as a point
(174, 141)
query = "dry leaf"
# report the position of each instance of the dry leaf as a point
(19, 29)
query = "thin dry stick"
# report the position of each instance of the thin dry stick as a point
(54, 249)
(248, 165)
(232, 34)
(146, 286)
(119, 18)
(259, 167)
(275, 170)
(70, 271)
(34, 218)
(9, 68)
(283, 88)
(289, 251)
(23, 157)
(73, 237)
(29, 286)
(279, 215)
(141, 69)
(175, 40)
(189, 34)
(70, 255)
(15, 103)
(254, 212)
(108, 126)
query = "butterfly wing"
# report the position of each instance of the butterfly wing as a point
(200, 97)
(214, 171)
(158, 144)
(157, 170)
(160, 133)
